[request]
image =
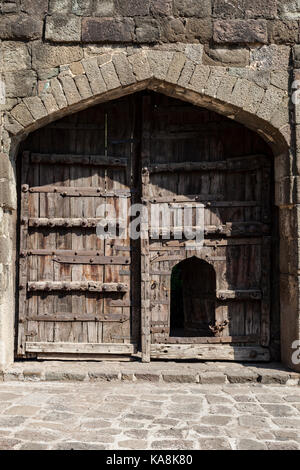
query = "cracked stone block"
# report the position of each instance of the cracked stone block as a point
(70, 89)
(110, 76)
(35, 106)
(94, 76)
(123, 69)
(140, 66)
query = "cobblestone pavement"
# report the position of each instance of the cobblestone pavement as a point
(148, 416)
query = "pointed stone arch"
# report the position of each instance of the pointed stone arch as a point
(179, 74)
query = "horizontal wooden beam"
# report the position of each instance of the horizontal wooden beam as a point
(45, 252)
(82, 286)
(67, 159)
(96, 260)
(177, 245)
(68, 191)
(208, 340)
(72, 222)
(247, 163)
(213, 353)
(250, 294)
(73, 317)
(80, 348)
(208, 200)
(236, 229)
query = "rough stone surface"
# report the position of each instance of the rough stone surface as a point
(234, 57)
(240, 31)
(127, 416)
(111, 30)
(63, 28)
(20, 27)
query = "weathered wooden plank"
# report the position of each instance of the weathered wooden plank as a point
(96, 260)
(64, 222)
(254, 294)
(73, 317)
(209, 353)
(212, 340)
(83, 286)
(67, 159)
(48, 252)
(81, 191)
(81, 348)
(23, 265)
(145, 267)
(246, 163)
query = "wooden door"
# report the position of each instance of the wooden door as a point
(75, 288)
(194, 156)
(84, 296)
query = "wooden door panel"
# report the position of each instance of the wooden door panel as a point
(203, 157)
(71, 292)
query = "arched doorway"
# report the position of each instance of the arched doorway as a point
(193, 299)
(85, 297)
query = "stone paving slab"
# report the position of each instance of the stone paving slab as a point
(127, 416)
(157, 371)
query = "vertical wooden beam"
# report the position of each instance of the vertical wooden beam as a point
(266, 259)
(145, 254)
(23, 267)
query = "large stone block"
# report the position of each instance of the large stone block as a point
(93, 73)
(140, 66)
(30, 7)
(62, 27)
(240, 31)
(176, 67)
(8, 198)
(110, 76)
(284, 32)
(186, 74)
(83, 86)
(172, 30)
(123, 69)
(147, 30)
(272, 101)
(22, 115)
(245, 9)
(8, 7)
(14, 56)
(35, 106)
(260, 9)
(198, 29)
(60, 6)
(57, 91)
(49, 103)
(161, 7)
(110, 30)
(289, 9)
(247, 95)
(159, 63)
(20, 83)
(133, 7)
(70, 89)
(236, 57)
(104, 8)
(21, 27)
(192, 8)
(46, 56)
(82, 7)
(271, 57)
(199, 78)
